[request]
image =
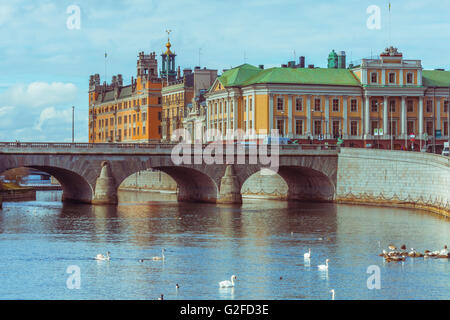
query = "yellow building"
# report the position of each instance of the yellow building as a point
(131, 113)
(380, 102)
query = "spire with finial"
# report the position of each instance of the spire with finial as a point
(168, 45)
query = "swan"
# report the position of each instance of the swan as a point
(308, 254)
(162, 255)
(332, 294)
(392, 247)
(324, 266)
(226, 283)
(102, 257)
(444, 252)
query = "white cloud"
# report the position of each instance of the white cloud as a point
(39, 111)
(38, 94)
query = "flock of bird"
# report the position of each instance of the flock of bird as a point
(393, 255)
(400, 255)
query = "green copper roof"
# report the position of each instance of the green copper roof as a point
(321, 76)
(238, 75)
(436, 78)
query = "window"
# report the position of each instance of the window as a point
(120, 134)
(374, 106)
(430, 128)
(409, 78)
(392, 105)
(393, 126)
(410, 127)
(373, 126)
(250, 104)
(106, 122)
(354, 128)
(353, 105)
(134, 117)
(280, 126)
(137, 130)
(298, 104)
(120, 120)
(137, 116)
(159, 130)
(445, 127)
(391, 77)
(410, 106)
(125, 119)
(220, 107)
(336, 129)
(335, 105)
(134, 131)
(280, 104)
(125, 132)
(317, 103)
(317, 127)
(159, 115)
(429, 106)
(446, 106)
(373, 77)
(299, 127)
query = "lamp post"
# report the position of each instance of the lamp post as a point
(73, 124)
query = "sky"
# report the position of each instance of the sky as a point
(47, 54)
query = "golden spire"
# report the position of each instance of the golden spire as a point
(168, 45)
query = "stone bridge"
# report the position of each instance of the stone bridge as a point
(92, 173)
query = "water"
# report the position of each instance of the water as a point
(206, 244)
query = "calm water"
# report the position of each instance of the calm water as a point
(206, 244)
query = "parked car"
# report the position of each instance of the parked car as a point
(446, 150)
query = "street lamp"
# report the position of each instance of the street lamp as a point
(73, 124)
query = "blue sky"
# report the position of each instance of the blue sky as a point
(45, 66)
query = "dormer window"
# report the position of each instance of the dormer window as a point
(391, 77)
(409, 78)
(373, 77)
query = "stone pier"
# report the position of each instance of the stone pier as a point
(105, 188)
(230, 190)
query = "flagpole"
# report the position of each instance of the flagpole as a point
(105, 65)
(389, 27)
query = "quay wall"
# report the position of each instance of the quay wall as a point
(394, 178)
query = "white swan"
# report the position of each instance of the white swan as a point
(332, 294)
(308, 254)
(324, 266)
(162, 255)
(226, 283)
(102, 257)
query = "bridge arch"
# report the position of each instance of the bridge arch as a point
(75, 187)
(192, 183)
(299, 183)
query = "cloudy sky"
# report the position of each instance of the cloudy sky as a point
(45, 62)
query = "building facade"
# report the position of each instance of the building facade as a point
(178, 94)
(130, 113)
(378, 103)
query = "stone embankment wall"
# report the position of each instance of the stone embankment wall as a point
(394, 178)
(265, 186)
(149, 180)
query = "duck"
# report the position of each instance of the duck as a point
(177, 286)
(227, 283)
(392, 247)
(161, 297)
(444, 252)
(102, 257)
(324, 266)
(307, 255)
(332, 294)
(160, 257)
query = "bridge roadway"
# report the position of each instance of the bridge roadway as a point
(92, 173)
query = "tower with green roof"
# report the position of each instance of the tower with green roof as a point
(332, 60)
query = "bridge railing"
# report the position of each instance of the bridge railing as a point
(143, 146)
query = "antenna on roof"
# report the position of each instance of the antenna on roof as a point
(199, 54)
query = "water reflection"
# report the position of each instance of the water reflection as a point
(262, 242)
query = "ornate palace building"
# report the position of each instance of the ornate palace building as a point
(130, 113)
(379, 102)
